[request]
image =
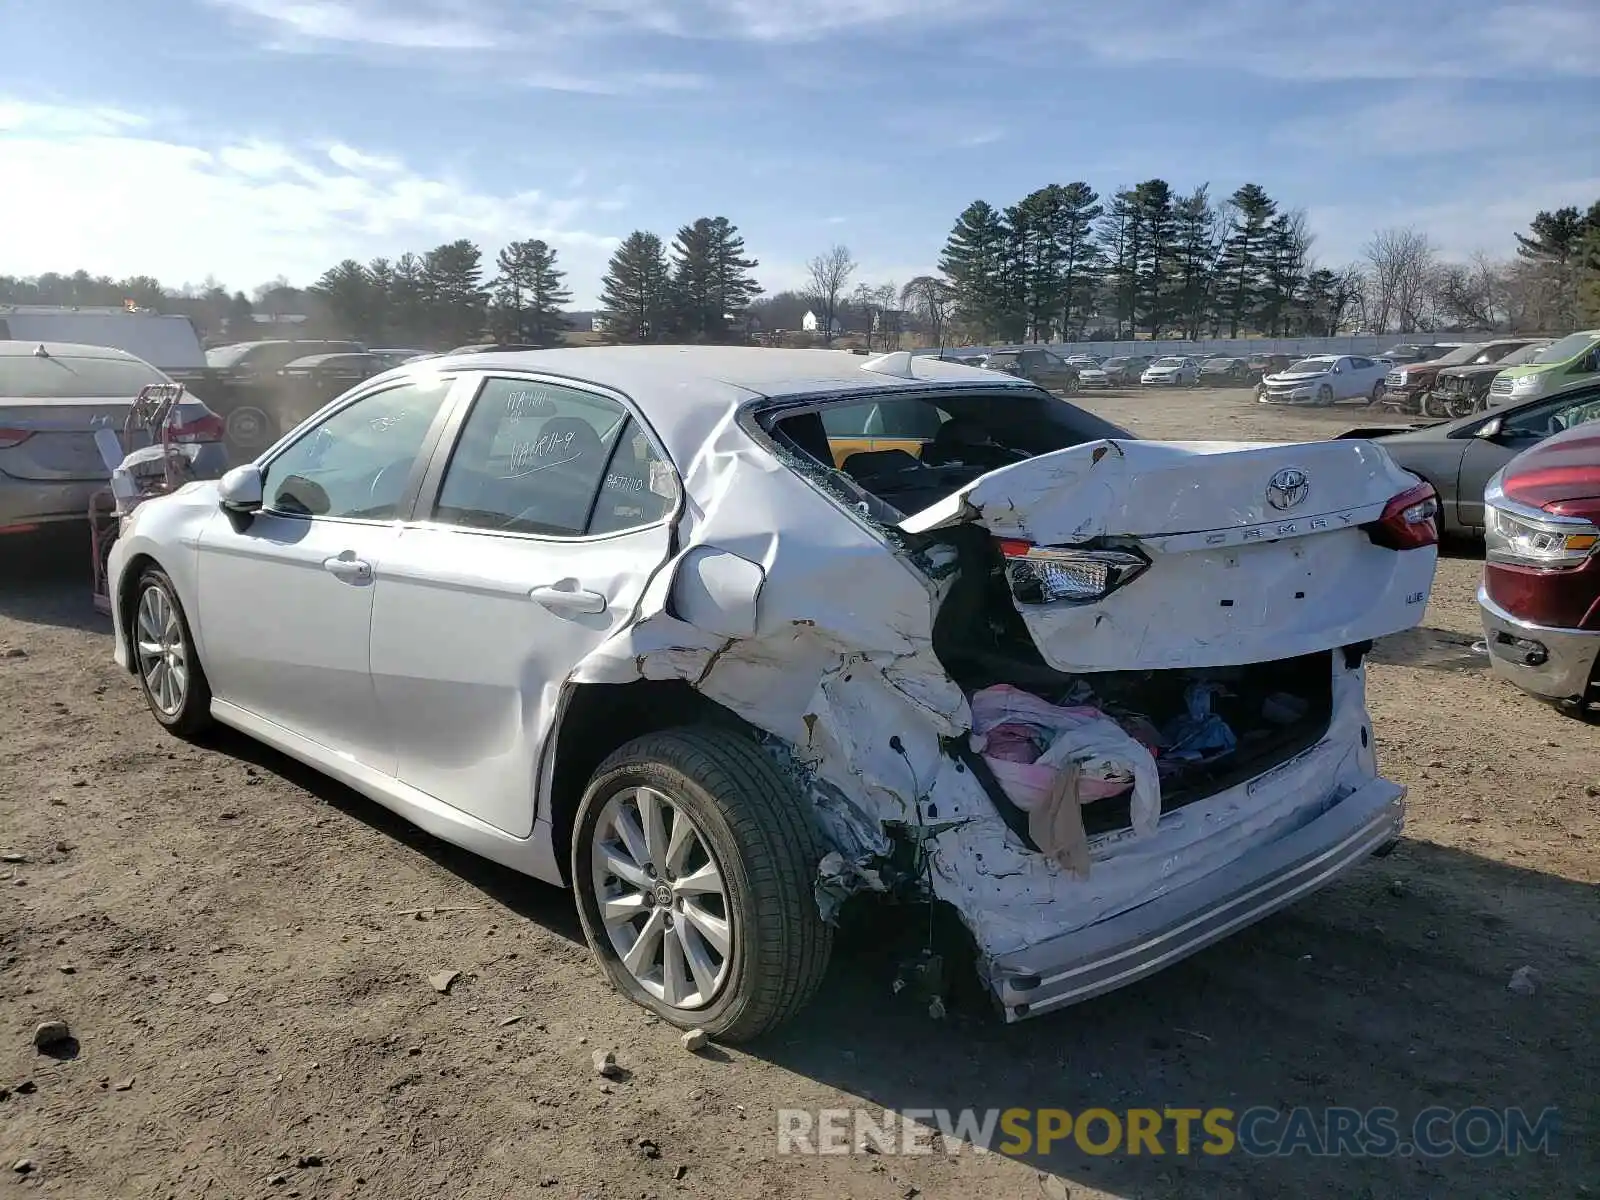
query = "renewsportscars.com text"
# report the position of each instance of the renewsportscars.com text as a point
(1477, 1132)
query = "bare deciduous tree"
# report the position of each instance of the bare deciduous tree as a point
(829, 273)
(1402, 265)
(929, 299)
(1473, 294)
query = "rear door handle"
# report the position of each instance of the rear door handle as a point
(348, 567)
(567, 600)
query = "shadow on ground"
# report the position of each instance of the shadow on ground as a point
(548, 906)
(47, 579)
(1390, 989)
(1432, 649)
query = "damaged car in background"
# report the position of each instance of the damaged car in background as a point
(615, 618)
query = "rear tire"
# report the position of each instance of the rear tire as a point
(250, 429)
(1377, 393)
(758, 843)
(170, 675)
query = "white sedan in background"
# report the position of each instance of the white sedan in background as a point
(1324, 379)
(1172, 371)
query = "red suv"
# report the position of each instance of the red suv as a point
(1540, 594)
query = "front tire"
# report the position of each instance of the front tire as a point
(170, 675)
(1325, 396)
(693, 859)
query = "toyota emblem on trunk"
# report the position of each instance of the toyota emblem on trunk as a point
(1288, 488)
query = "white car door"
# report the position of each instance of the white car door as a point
(285, 594)
(546, 512)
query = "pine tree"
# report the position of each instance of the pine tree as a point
(380, 273)
(1038, 227)
(408, 308)
(1121, 234)
(974, 260)
(529, 294)
(1079, 254)
(346, 290)
(1555, 246)
(711, 282)
(452, 287)
(634, 292)
(1288, 248)
(1195, 257)
(1154, 264)
(1244, 255)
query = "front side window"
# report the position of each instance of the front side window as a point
(545, 459)
(355, 464)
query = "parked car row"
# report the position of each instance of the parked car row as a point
(1479, 375)
(1525, 477)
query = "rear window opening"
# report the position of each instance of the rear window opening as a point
(1272, 711)
(903, 453)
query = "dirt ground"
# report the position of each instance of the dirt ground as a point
(242, 950)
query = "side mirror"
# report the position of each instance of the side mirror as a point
(240, 489)
(1490, 429)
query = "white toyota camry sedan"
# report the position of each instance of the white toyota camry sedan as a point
(721, 638)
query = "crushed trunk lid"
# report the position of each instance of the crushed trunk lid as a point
(1254, 551)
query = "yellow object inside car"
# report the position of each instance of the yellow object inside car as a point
(907, 425)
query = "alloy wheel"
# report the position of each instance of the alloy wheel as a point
(163, 660)
(662, 898)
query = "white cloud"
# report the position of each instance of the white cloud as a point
(486, 24)
(64, 121)
(436, 27)
(1433, 120)
(1331, 40)
(352, 159)
(118, 197)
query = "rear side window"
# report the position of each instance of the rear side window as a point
(545, 459)
(25, 377)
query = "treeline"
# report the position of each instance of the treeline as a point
(698, 291)
(437, 299)
(1065, 263)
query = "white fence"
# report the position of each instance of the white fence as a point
(1237, 347)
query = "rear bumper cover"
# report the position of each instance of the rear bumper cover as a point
(35, 502)
(1555, 664)
(1114, 952)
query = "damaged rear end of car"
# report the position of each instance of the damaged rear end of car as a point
(1106, 697)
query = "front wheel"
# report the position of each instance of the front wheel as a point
(1460, 405)
(170, 675)
(1324, 396)
(693, 859)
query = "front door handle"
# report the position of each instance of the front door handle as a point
(568, 600)
(348, 567)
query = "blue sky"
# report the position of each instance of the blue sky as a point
(251, 138)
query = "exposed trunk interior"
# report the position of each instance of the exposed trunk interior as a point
(981, 640)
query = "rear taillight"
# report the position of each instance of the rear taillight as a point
(13, 437)
(1042, 575)
(209, 428)
(1409, 521)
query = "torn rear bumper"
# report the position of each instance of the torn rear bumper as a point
(1120, 949)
